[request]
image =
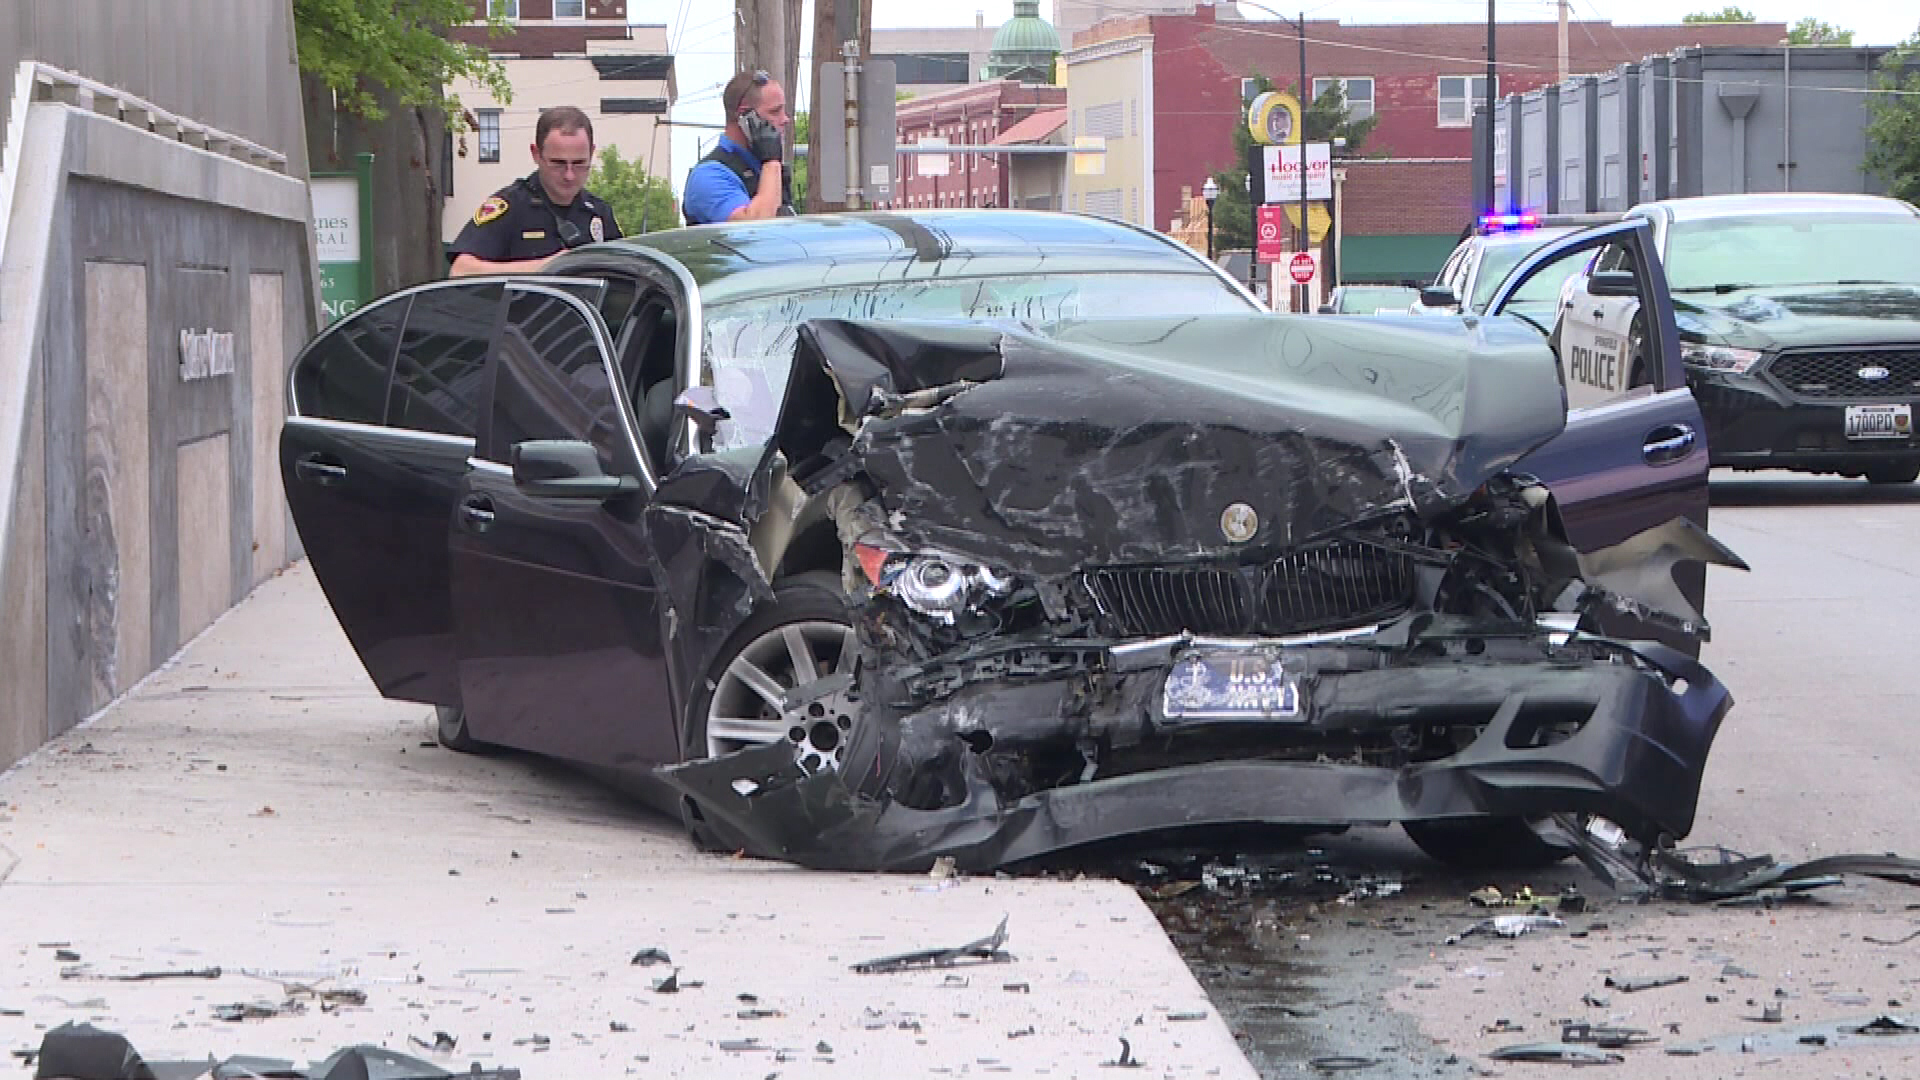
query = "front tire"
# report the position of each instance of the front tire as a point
(451, 729)
(1495, 843)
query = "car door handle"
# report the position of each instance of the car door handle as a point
(478, 510)
(320, 469)
(1599, 314)
(1668, 442)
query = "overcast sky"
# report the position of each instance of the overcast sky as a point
(701, 32)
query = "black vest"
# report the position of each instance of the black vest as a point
(749, 175)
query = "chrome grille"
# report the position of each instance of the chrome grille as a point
(1321, 588)
(1834, 374)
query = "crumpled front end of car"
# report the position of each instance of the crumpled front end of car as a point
(1409, 646)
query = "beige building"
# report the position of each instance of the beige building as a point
(1110, 99)
(928, 60)
(626, 85)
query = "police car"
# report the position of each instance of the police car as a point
(1799, 325)
(1488, 251)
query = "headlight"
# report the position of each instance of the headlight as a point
(936, 585)
(1720, 357)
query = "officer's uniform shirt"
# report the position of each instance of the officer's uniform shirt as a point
(714, 191)
(518, 222)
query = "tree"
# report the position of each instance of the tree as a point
(1327, 118)
(1893, 132)
(376, 78)
(1812, 31)
(802, 128)
(1728, 14)
(641, 203)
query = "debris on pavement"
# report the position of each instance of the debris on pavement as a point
(1871, 940)
(1604, 1036)
(1713, 875)
(1507, 926)
(1884, 1025)
(83, 972)
(1633, 984)
(1126, 1060)
(650, 956)
(668, 985)
(1342, 1063)
(256, 1010)
(1557, 1053)
(442, 1043)
(78, 1051)
(988, 950)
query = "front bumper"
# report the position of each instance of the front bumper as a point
(1637, 759)
(1754, 424)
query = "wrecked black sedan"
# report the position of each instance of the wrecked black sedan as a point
(880, 538)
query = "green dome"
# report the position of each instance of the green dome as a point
(1025, 46)
(1026, 32)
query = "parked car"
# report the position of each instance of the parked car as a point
(1489, 251)
(1369, 300)
(876, 538)
(1799, 321)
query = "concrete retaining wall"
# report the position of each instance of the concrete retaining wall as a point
(138, 499)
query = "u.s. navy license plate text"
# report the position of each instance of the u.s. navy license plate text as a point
(1234, 684)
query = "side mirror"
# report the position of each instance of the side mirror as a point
(1326, 309)
(565, 469)
(1438, 296)
(1613, 283)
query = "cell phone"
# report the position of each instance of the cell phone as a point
(760, 133)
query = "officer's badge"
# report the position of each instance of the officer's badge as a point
(495, 207)
(598, 230)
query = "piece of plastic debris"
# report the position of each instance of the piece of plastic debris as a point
(140, 976)
(1507, 926)
(618, 1027)
(442, 1043)
(1022, 1033)
(1604, 1036)
(1814, 1040)
(66, 956)
(1884, 1025)
(1770, 1014)
(650, 956)
(668, 985)
(1341, 1063)
(1557, 1053)
(1126, 1060)
(758, 1014)
(1901, 941)
(1186, 1017)
(822, 1047)
(741, 1046)
(987, 950)
(1017, 988)
(1632, 984)
(1486, 896)
(257, 1010)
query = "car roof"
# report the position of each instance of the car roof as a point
(737, 259)
(1525, 237)
(1705, 207)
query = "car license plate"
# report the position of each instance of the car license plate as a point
(1879, 421)
(1231, 684)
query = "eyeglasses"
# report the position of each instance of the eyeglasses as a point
(560, 165)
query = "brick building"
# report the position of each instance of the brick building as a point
(977, 115)
(1165, 91)
(560, 52)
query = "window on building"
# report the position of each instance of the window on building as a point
(1108, 120)
(919, 69)
(1357, 91)
(1133, 108)
(569, 9)
(1104, 203)
(487, 133)
(504, 9)
(1459, 96)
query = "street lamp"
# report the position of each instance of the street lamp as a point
(1210, 191)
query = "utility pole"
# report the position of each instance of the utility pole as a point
(1486, 193)
(835, 23)
(1563, 5)
(1306, 102)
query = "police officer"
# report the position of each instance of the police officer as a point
(529, 221)
(743, 179)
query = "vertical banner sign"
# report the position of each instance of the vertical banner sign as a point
(1270, 245)
(342, 228)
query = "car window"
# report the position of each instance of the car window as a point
(747, 345)
(437, 376)
(1762, 250)
(343, 374)
(1598, 341)
(551, 381)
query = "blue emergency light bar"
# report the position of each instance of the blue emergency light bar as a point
(1505, 222)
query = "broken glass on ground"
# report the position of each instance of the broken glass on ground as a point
(1557, 1053)
(1633, 984)
(83, 1052)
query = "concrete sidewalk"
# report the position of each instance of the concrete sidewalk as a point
(256, 807)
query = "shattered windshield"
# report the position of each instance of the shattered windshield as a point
(747, 345)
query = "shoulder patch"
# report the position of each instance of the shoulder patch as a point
(495, 207)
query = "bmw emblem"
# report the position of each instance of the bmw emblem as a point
(1873, 373)
(1238, 522)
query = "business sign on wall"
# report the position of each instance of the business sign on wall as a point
(342, 230)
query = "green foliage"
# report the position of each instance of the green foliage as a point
(357, 47)
(640, 203)
(1893, 132)
(1725, 14)
(802, 127)
(1812, 31)
(1326, 119)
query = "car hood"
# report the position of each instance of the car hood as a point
(1803, 315)
(1112, 442)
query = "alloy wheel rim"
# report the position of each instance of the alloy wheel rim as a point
(785, 687)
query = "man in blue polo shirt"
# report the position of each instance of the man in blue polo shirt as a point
(743, 179)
